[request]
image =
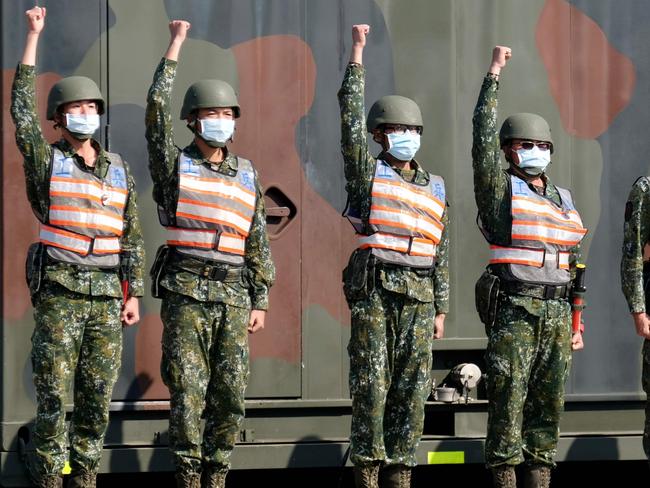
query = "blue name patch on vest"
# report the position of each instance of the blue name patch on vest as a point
(438, 191)
(187, 166)
(520, 188)
(117, 177)
(62, 167)
(246, 179)
(385, 171)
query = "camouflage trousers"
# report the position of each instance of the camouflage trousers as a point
(390, 376)
(646, 387)
(205, 366)
(76, 336)
(528, 357)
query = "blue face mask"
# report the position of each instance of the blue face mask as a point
(216, 132)
(82, 126)
(534, 161)
(403, 146)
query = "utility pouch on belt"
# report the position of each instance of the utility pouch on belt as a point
(486, 294)
(358, 276)
(34, 267)
(162, 255)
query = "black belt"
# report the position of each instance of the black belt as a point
(206, 269)
(379, 265)
(545, 292)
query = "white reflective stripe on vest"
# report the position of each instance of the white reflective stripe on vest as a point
(540, 231)
(416, 223)
(106, 245)
(524, 205)
(418, 247)
(219, 188)
(232, 243)
(382, 188)
(87, 189)
(210, 212)
(191, 237)
(528, 257)
(65, 216)
(78, 243)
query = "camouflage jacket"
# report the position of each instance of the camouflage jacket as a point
(359, 166)
(636, 234)
(37, 154)
(163, 165)
(491, 182)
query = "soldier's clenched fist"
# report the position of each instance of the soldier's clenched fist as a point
(500, 56)
(178, 29)
(36, 19)
(359, 33)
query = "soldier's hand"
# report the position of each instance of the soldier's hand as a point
(178, 29)
(256, 321)
(642, 324)
(130, 312)
(36, 19)
(500, 56)
(439, 326)
(359, 33)
(576, 341)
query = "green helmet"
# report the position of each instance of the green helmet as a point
(394, 109)
(207, 94)
(72, 89)
(525, 126)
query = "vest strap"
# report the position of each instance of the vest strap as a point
(80, 244)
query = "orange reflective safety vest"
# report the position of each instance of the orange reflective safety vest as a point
(405, 218)
(542, 235)
(214, 212)
(86, 213)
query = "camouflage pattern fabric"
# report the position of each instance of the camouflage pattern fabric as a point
(528, 356)
(636, 234)
(75, 336)
(37, 154)
(529, 346)
(205, 341)
(392, 327)
(204, 365)
(390, 376)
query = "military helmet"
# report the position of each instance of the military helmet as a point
(207, 94)
(72, 89)
(525, 126)
(394, 109)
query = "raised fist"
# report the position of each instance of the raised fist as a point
(178, 29)
(500, 56)
(359, 33)
(36, 19)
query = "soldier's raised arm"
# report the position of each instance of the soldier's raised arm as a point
(358, 163)
(29, 136)
(159, 132)
(490, 182)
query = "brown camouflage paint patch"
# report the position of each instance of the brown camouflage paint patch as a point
(589, 79)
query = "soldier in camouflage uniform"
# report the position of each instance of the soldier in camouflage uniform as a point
(215, 273)
(533, 230)
(634, 277)
(85, 200)
(396, 282)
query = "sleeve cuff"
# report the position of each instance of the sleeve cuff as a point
(260, 302)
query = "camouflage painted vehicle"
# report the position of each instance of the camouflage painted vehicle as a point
(586, 70)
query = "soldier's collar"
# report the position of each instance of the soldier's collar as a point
(102, 164)
(228, 166)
